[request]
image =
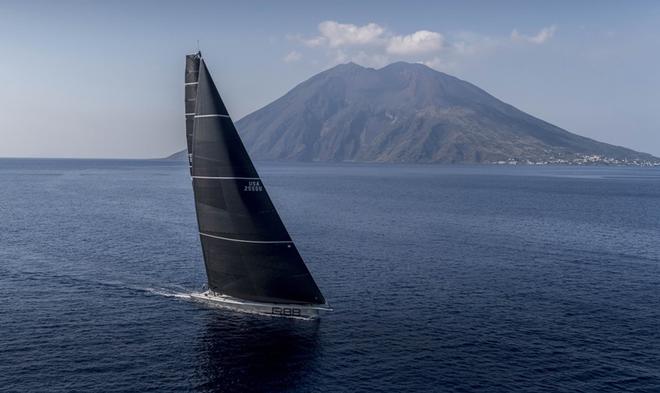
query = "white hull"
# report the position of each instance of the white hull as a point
(298, 311)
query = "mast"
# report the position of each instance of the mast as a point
(248, 252)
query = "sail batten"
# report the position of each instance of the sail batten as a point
(248, 253)
(247, 241)
(225, 178)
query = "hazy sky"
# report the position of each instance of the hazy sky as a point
(93, 79)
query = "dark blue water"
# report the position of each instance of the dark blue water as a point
(485, 279)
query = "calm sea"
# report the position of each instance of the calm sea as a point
(447, 279)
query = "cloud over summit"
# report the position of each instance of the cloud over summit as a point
(340, 34)
(422, 41)
(374, 45)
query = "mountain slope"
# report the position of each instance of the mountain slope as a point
(406, 113)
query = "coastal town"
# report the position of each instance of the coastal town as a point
(583, 159)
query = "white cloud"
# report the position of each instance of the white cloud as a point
(370, 44)
(541, 37)
(366, 59)
(336, 35)
(373, 45)
(341, 34)
(292, 56)
(419, 42)
(314, 41)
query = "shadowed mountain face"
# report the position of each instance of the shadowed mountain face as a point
(405, 113)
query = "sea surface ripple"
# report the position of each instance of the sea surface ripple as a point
(445, 279)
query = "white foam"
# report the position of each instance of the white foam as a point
(166, 292)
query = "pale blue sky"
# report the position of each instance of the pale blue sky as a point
(93, 79)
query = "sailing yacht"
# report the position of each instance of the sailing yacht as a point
(252, 265)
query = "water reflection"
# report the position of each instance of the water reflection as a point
(246, 353)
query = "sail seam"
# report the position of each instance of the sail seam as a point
(247, 241)
(211, 115)
(225, 178)
(190, 83)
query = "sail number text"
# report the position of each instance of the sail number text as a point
(253, 186)
(294, 312)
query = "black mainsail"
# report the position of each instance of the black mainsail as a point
(248, 252)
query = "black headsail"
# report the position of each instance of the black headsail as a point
(247, 250)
